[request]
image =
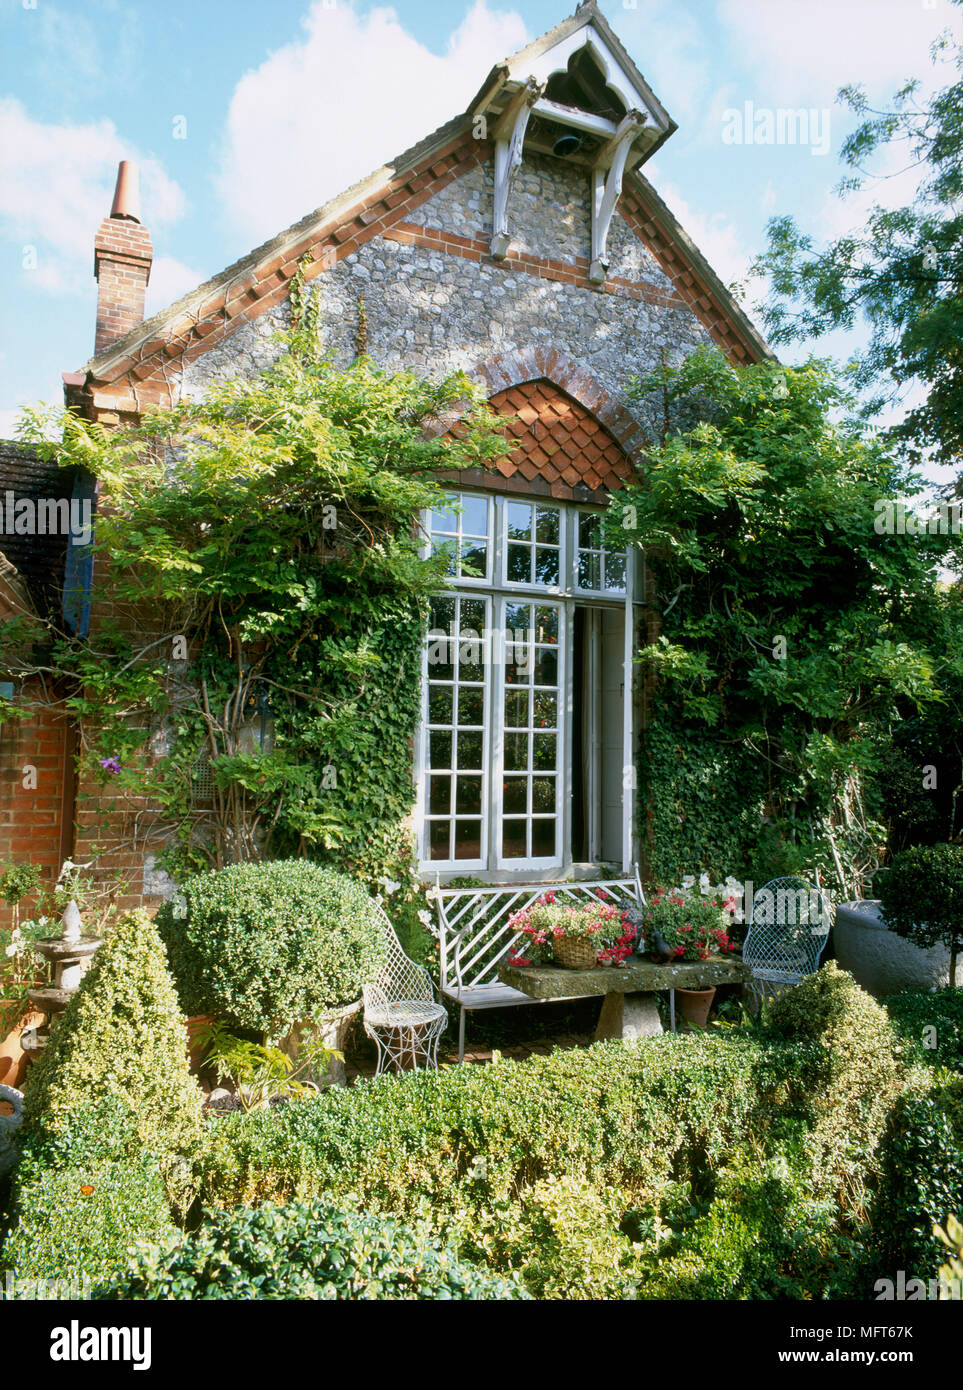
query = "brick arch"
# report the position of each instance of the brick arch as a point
(513, 369)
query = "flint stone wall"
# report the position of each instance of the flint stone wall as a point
(437, 312)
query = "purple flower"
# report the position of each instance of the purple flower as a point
(111, 765)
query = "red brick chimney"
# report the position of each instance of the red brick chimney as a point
(122, 261)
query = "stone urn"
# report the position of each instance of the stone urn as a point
(332, 1030)
(879, 960)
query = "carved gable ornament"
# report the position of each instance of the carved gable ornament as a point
(574, 94)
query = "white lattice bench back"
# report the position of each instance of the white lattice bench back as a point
(474, 936)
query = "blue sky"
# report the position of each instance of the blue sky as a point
(284, 104)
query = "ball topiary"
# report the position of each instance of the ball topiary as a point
(121, 1036)
(922, 897)
(267, 945)
(304, 1250)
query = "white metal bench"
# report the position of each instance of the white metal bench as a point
(474, 936)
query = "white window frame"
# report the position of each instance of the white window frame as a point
(497, 592)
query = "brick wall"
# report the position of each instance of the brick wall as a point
(122, 260)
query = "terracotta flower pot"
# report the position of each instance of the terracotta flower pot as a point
(13, 1059)
(694, 1005)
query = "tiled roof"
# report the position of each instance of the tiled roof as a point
(557, 441)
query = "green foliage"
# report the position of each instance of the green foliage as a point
(269, 945)
(921, 1178)
(795, 639)
(932, 1024)
(273, 526)
(900, 272)
(583, 1169)
(260, 1072)
(122, 1035)
(922, 897)
(308, 1250)
(83, 1195)
(854, 1078)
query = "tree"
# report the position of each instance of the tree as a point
(795, 636)
(902, 272)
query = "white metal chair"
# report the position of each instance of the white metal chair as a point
(400, 1013)
(788, 928)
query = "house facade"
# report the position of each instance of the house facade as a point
(522, 243)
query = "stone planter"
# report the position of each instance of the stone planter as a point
(13, 1058)
(11, 1116)
(332, 1030)
(879, 960)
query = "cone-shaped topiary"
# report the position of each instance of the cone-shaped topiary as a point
(122, 1035)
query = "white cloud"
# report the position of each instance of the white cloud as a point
(356, 91)
(56, 186)
(716, 237)
(803, 51)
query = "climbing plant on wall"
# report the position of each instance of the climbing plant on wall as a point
(257, 688)
(797, 636)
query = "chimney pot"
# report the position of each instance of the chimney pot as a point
(126, 203)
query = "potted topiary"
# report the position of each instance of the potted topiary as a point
(922, 899)
(274, 949)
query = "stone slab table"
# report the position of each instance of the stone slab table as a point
(629, 1008)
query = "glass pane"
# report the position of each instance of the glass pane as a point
(474, 521)
(471, 653)
(468, 795)
(518, 617)
(515, 795)
(442, 613)
(467, 839)
(473, 614)
(546, 525)
(546, 625)
(439, 749)
(469, 750)
(546, 667)
(448, 548)
(588, 531)
(516, 709)
(516, 752)
(439, 796)
(444, 521)
(546, 566)
(438, 839)
(514, 839)
(615, 572)
(474, 559)
(588, 572)
(519, 654)
(519, 521)
(545, 710)
(439, 704)
(544, 751)
(520, 564)
(543, 839)
(543, 794)
(471, 706)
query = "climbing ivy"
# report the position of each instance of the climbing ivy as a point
(797, 640)
(257, 692)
